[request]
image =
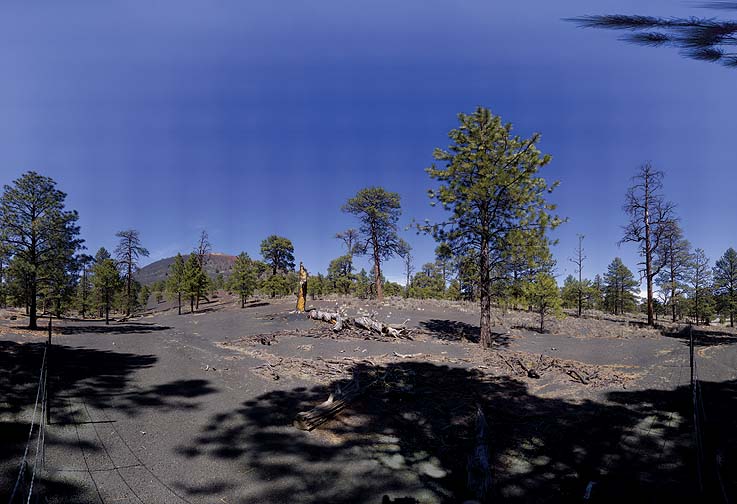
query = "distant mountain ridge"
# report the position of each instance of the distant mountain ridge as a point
(157, 270)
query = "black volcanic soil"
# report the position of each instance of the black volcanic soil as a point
(168, 408)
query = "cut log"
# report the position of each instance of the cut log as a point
(337, 402)
(479, 461)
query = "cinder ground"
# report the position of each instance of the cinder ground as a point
(168, 408)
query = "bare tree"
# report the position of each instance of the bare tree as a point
(650, 218)
(578, 260)
(350, 238)
(409, 267)
(128, 252)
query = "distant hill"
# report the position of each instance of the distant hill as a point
(217, 263)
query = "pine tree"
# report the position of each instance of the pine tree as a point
(128, 252)
(38, 230)
(699, 278)
(489, 186)
(84, 286)
(703, 39)
(675, 256)
(543, 294)
(620, 288)
(378, 211)
(106, 281)
(725, 283)
(175, 280)
(194, 280)
(243, 278)
(144, 294)
(445, 260)
(340, 274)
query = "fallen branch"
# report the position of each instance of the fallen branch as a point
(406, 356)
(336, 402)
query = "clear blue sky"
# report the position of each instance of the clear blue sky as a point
(174, 116)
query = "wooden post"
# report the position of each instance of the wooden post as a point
(46, 380)
(302, 295)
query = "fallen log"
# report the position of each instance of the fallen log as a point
(479, 466)
(333, 317)
(379, 327)
(337, 402)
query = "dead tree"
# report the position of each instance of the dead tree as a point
(578, 260)
(650, 217)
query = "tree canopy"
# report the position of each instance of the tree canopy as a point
(490, 186)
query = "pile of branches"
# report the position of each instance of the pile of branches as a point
(579, 372)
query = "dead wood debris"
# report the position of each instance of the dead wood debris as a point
(341, 322)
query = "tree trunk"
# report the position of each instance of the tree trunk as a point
(648, 256)
(542, 320)
(191, 304)
(485, 295)
(180, 302)
(32, 310)
(107, 312)
(377, 280)
(128, 291)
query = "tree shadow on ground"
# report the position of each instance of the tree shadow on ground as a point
(454, 330)
(411, 432)
(703, 336)
(78, 378)
(113, 328)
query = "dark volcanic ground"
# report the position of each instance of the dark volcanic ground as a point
(158, 410)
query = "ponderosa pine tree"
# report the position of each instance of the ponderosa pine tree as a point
(340, 274)
(651, 218)
(175, 280)
(444, 259)
(35, 228)
(194, 280)
(490, 187)
(675, 256)
(379, 211)
(703, 39)
(105, 281)
(128, 253)
(243, 278)
(84, 286)
(620, 288)
(278, 252)
(543, 294)
(725, 283)
(699, 277)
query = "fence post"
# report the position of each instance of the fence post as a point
(46, 380)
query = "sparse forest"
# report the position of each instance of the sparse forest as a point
(493, 249)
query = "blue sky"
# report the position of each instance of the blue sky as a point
(172, 117)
